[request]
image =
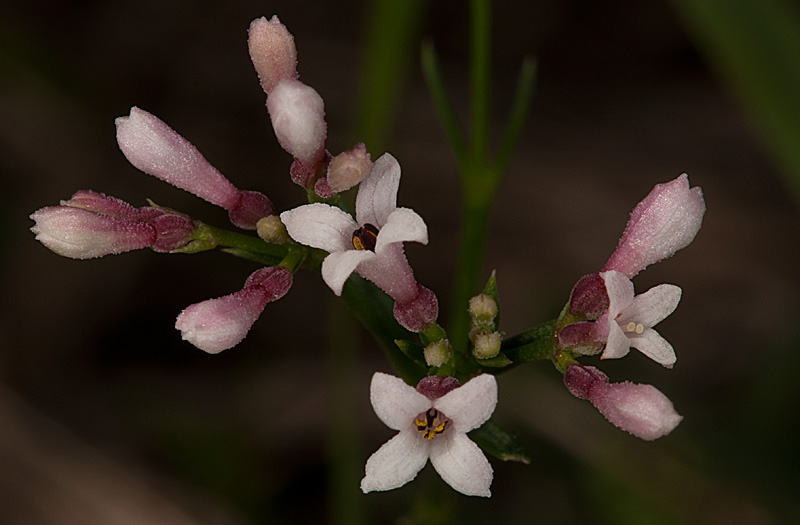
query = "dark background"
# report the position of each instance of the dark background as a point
(106, 416)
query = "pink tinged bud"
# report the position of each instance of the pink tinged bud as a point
(664, 222)
(272, 51)
(298, 118)
(323, 189)
(172, 232)
(419, 313)
(589, 298)
(108, 205)
(349, 168)
(252, 207)
(641, 410)
(156, 149)
(82, 234)
(218, 324)
(580, 337)
(434, 387)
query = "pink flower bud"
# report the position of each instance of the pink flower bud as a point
(641, 410)
(153, 147)
(434, 387)
(298, 118)
(91, 225)
(349, 168)
(664, 222)
(588, 298)
(272, 51)
(419, 313)
(218, 324)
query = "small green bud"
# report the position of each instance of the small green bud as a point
(438, 352)
(486, 345)
(482, 310)
(272, 230)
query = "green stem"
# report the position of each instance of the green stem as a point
(537, 344)
(480, 51)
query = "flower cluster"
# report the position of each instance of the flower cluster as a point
(603, 315)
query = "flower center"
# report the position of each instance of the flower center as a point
(431, 423)
(634, 327)
(365, 237)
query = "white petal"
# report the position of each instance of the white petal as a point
(620, 292)
(402, 225)
(617, 345)
(395, 402)
(651, 344)
(338, 266)
(653, 306)
(396, 463)
(471, 404)
(377, 194)
(461, 464)
(320, 226)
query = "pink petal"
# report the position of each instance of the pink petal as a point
(338, 266)
(651, 344)
(653, 306)
(390, 271)
(402, 225)
(377, 194)
(461, 464)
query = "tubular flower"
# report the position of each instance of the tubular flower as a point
(641, 410)
(153, 147)
(661, 224)
(432, 421)
(92, 225)
(629, 319)
(218, 324)
(371, 245)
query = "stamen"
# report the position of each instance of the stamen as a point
(634, 327)
(365, 237)
(432, 424)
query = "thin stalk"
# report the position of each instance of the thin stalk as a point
(480, 51)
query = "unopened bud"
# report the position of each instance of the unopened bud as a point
(486, 346)
(437, 353)
(483, 310)
(272, 51)
(298, 118)
(349, 168)
(272, 230)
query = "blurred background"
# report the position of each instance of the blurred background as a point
(106, 416)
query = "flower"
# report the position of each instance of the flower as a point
(218, 324)
(372, 244)
(629, 319)
(153, 147)
(661, 224)
(432, 421)
(92, 224)
(272, 51)
(641, 410)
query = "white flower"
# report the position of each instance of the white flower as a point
(629, 320)
(431, 427)
(371, 245)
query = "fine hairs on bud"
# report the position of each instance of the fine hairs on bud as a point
(272, 51)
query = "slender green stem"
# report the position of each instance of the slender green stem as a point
(480, 51)
(519, 112)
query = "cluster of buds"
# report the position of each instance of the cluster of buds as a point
(602, 316)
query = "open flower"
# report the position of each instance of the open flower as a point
(371, 245)
(641, 410)
(630, 319)
(432, 421)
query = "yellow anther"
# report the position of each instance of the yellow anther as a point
(630, 327)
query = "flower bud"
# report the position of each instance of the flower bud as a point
(272, 230)
(419, 313)
(434, 387)
(272, 51)
(661, 224)
(588, 298)
(298, 118)
(641, 410)
(482, 310)
(437, 353)
(349, 168)
(217, 324)
(486, 345)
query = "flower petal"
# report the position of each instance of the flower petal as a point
(617, 345)
(377, 194)
(653, 306)
(395, 402)
(471, 404)
(320, 226)
(651, 344)
(396, 463)
(402, 225)
(338, 266)
(620, 292)
(461, 464)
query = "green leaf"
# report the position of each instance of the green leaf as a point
(498, 361)
(499, 443)
(536, 344)
(412, 350)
